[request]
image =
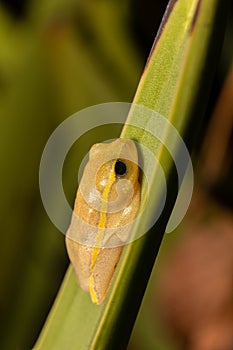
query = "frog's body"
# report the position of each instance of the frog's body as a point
(99, 229)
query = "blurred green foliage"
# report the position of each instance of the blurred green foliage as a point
(56, 57)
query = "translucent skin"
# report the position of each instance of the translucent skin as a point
(108, 205)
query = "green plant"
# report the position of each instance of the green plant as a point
(175, 83)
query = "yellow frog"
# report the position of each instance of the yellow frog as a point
(106, 204)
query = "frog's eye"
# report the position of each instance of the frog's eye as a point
(120, 168)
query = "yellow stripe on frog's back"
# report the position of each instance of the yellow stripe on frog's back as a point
(101, 228)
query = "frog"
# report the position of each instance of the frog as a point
(106, 205)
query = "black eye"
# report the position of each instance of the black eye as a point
(120, 168)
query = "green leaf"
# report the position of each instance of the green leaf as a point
(175, 84)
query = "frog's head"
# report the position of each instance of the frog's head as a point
(118, 159)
